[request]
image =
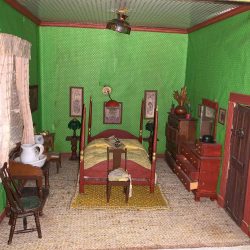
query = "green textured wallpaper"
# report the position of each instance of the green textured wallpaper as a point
(219, 63)
(92, 58)
(14, 23)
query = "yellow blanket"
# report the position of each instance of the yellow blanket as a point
(96, 151)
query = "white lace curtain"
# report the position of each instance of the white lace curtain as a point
(14, 70)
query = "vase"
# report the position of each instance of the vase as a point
(180, 110)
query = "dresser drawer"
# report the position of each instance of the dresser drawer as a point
(186, 181)
(172, 134)
(173, 122)
(189, 154)
(172, 147)
(187, 167)
(208, 149)
(194, 160)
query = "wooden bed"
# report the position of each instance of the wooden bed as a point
(95, 173)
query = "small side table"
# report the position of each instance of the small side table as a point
(73, 140)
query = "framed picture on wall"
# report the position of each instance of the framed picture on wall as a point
(112, 115)
(76, 101)
(150, 102)
(222, 116)
(33, 95)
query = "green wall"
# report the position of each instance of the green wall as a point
(14, 23)
(92, 58)
(219, 63)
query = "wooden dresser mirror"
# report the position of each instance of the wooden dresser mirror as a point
(208, 118)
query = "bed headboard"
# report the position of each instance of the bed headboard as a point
(119, 133)
(122, 134)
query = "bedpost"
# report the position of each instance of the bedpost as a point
(90, 119)
(154, 148)
(82, 135)
(141, 121)
(82, 146)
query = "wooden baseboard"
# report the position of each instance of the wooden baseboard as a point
(160, 155)
(220, 200)
(65, 154)
(245, 228)
(2, 215)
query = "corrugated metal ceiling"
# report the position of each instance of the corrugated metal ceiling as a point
(176, 14)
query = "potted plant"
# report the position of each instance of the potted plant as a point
(181, 98)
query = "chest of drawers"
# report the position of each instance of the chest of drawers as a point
(178, 130)
(197, 166)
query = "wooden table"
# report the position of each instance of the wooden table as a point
(73, 140)
(24, 172)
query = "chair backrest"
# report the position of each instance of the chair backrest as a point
(15, 152)
(49, 142)
(117, 156)
(11, 189)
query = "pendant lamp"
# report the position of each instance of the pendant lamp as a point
(119, 24)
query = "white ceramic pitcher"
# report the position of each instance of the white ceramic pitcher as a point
(30, 152)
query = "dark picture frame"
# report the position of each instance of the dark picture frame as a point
(33, 97)
(76, 101)
(150, 102)
(112, 115)
(222, 116)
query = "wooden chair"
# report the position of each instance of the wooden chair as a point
(116, 175)
(52, 156)
(20, 207)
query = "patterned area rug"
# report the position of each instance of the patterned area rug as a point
(95, 197)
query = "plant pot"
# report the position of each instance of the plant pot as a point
(180, 110)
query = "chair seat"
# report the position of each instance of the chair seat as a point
(118, 174)
(30, 202)
(51, 155)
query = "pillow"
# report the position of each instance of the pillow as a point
(98, 143)
(132, 144)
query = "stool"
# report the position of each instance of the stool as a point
(116, 175)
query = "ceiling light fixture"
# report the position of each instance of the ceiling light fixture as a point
(119, 24)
